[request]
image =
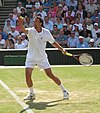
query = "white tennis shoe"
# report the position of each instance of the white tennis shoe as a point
(30, 96)
(65, 95)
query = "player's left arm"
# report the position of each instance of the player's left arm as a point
(56, 45)
(64, 52)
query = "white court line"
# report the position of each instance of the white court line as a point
(26, 108)
(2, 67)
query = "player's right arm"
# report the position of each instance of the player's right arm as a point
(22, 28)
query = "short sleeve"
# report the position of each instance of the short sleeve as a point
(50, 38)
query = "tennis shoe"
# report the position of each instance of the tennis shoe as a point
(30, 96)
(65, 95)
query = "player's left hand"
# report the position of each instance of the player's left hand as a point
(64, 52)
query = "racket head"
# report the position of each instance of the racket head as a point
(85, 59)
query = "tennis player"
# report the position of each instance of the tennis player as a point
(38, 37)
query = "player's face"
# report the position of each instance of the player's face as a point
(37, 23)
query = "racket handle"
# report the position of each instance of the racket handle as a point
(69, 54)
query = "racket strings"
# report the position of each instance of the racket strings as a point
(85, 59)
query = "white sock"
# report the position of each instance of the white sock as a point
(31, 90)
(63, 88)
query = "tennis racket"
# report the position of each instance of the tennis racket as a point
(84, 58)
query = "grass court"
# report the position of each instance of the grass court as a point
(82, 82)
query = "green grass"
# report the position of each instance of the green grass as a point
(83, 84)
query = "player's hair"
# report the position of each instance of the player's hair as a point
(41, 20)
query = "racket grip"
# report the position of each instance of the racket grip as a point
(69, 54)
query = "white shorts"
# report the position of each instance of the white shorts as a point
(42, 64)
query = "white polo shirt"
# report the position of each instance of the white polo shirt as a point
(37, 43)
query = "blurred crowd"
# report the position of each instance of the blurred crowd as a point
(73, 23)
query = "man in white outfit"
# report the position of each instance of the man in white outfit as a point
(38, 37)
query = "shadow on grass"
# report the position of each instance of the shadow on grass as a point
(42, 105)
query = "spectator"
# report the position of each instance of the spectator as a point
(37, 4)
(62, 39)
(19, 44)
(51, 18)
(66, 30)
(72, 40)
(88, 16)
(46, 5)
(97, 21)
(2, 42)
(63, 3)
(92, 44)
(15, 13)
(89, 24)
(81, 11)
(68, 3)
(76, 30)
(19, 6)
(91, 7)
(28, 4)
(95, 15)
(23, 12)
(97, 42)
(59, 8)
(59, 14)
(55, 5)
(71, 26)
(68, 24)
(88, 38)
(86, 34)
(64, 10)
(52, 12)
(77, 22)
(81, 43)
(59, 22)
(12, 20)
(34, 12)
(7, 26)
(55, 31)
(69, 16)
(24, 40)
(9, 44)
(84, 3)
(4, 35)
(14, 32)
(27, 22)
(42, 12)
(79, 16)
(94, 31)
(85, 31)
(48, 24)
(23, 2)
(10, 36)
(31, 18)
(73, 4)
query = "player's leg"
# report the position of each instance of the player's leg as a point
(28, 73)
(52, 76)
(31, 94)
(49, 73)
